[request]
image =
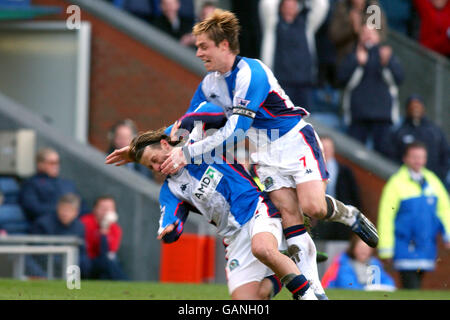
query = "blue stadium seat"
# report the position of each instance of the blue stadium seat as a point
(12, 219)
(23, 9)
(15, 3)
(10, 190)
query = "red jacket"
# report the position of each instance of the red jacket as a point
(93, 236)
(434, 26)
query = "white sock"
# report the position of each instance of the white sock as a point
(342, 213)
(308, 295)
(303, 251)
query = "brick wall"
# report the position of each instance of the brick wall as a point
(129, 80)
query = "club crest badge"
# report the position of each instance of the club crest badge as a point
(233, 264)
(268, 182)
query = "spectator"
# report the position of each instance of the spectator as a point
(357, 269)
(250, 36)
(206, 10)
(414, 208)
(120, 136)
(171, 21)
(12, 217)
(268, 18)
(326, 98)
(341, 185)
(346, 24)
(64, 223)
(417, 127)
(326, 50)
(371, 75)
(434, 25)
(40, 193)
(103, 237)
(145, 10)
(401, 16)
(295, 54)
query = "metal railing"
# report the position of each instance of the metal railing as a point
(22, 245)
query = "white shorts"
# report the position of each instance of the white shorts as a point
(242, 267)
(293, 158)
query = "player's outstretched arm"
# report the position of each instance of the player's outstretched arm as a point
(119, 157)
(167, 230)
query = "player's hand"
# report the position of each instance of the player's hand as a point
(119, 157)
(173, 132)
(167, 230)
(174, 162)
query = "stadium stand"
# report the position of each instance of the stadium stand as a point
(20, 248)
(23, 9)
(12, 217)
(136, 195)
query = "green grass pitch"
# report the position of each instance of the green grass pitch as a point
(105, 290)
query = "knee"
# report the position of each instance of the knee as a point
(263, 253)
(314, 208)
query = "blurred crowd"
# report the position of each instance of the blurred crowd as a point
(48, 204)
(331, 57)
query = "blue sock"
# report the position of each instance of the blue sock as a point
(298, 286)
(294, 231)
(276, 283)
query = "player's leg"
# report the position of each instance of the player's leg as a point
(248, 291)
(285, 199)
(303, 252)
(301, 248)
(265, 249)
(310, 186)
(266, 289)
(266, 238)
(245, 273)
(315, 203)
(270, 286)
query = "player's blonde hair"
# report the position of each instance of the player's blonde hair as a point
(220, 25)
(149, 138)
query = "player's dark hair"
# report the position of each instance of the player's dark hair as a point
(149, 138)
